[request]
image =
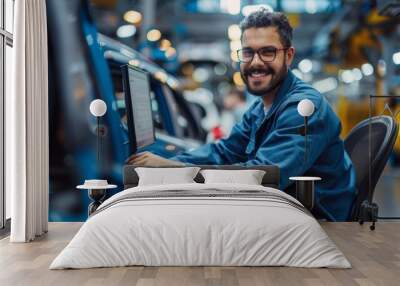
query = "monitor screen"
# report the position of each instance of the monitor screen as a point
(138, 107)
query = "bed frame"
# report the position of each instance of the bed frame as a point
(270, 179)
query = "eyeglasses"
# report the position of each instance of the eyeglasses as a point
(266, 54)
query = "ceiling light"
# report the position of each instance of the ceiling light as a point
(326, 85)
(311, 6)
(367, 69)
(305, 65)
(396, 58)
(201, 74)
(357, 74)
(126, 31)
(347, 76)
(170, 52)
(153, 35)
(247, 10)
(230, 6)
(133, 17)
(235, 45)
(165, 44)
(234, 32)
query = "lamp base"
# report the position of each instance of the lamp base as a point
(305, 193)
(305, 189)
(97, 195)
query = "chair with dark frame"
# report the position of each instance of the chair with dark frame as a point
(376, 137)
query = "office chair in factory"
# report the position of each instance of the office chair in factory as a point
(369, 145)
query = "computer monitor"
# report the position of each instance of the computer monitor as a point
(138, 107)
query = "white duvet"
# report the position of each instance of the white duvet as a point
(183, 231)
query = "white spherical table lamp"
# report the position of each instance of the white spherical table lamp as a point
(305, 108)
(98, 108)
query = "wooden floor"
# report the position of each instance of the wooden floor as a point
(375, 257)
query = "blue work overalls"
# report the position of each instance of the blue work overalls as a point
(274, 139)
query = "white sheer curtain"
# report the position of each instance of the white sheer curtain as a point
(27, 124)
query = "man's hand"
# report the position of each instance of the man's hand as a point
(149, 159)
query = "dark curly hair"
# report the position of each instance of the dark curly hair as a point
(264, 18)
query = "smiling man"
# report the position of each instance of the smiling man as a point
(268, 133)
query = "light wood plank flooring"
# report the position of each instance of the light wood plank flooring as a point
(375, 257)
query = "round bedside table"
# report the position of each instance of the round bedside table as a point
(96, 191)
(305, 190)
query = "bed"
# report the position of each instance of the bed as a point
(197, 224)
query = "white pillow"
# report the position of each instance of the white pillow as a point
(164, 176)
(249, 177)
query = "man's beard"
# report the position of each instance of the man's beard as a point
(276, 79)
